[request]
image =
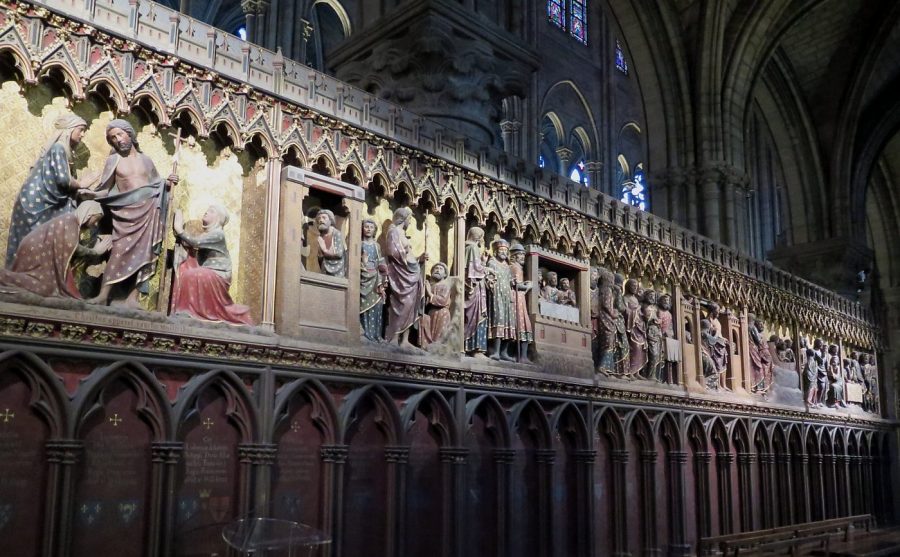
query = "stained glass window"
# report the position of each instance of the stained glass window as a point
(541, 162)
(578, 174)
(621, 62)
(634, 191)
(555, 12)
(577, 21)
(241, 32)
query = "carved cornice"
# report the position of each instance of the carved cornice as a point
(368, 133)
(188, 344)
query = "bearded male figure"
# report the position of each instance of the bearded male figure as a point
(132, 191)
(405, 279)
(332, 249)
(501, 319)
(524, 328)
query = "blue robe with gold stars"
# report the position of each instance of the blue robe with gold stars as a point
(46, 194)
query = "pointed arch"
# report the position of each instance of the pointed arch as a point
(696, 435)
(324, 415)
(669, 433)
(531, 409)
(48, 396)
(432, 403)
(740, 437)
(152, 405)
(496, 418)
(240, 407)
(609, 425)
(640, 426)
(386, 415)
(761, 439)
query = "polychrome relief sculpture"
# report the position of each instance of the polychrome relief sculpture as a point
(521, 287)
(436, 318)
(761, 366)
(404, 273)
(476, 280)
(203, 271)
(332, 251)
(372, 284)
(501, 316)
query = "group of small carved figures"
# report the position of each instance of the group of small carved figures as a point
(418, 308)
(99, 237)
(826, 375)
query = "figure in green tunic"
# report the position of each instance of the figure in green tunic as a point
(371, 284)
(501, 315)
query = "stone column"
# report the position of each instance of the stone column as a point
(261, 457)
(677, 532)
(767, 488)
(723, 481)
(620, 504)
(594, 171)
(701, 481)
(453, 466)
(397, 459)
(712, 199)
(270, 240)
(584, 462)
(335, 458)
(165, 457)
(503, 459)
(648, 502)
(803, 514)
(509, 130)
(818, 475)
(545, 459)
(785, 489)
(844, 492)
(745, 488)
(62, 456)
(564, 154)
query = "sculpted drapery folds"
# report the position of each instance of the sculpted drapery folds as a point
(332, 249)
(501, 316)
(51, 187)
(761, 365)
(437, 317)
(42, 262)
(132, 191)
(203, 271)
(668, 371)
(636, 327)
(655, 355)
(404, 273)
(604, 320)
(477, 273)
(371, 283)
(836, 376)
(524, 329)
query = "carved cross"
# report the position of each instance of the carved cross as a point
(115, 420)
(208, 423)
(7, 416)
(295, 426)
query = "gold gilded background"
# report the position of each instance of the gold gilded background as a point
(208, 172)
(383, 213)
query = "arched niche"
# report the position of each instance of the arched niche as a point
(487, 440)
(305, 421)
(121, 411)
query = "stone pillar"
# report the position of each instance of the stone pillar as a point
(509, 130)
(745, 488)
(723, 481)
(768, 490)
(594, 172)
(648, 502)
(620, 504)
(545, 459)
(818, 499)
(701, 481)
(270, 240)
(503, 459)
(678, 547)
(335, 458)
(397, 459)
(830, 485)
(785, 489)
(254, 10)
(564, 154)
(731, 192)
(844, 492)
(261, 457)
(165, 458)
(62, 456)
(803, 513)
(453, 466)
(584, 463)
(712, 199)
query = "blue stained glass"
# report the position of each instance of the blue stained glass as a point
(541, 161)
(621, 63)
(242, 32)
(555, 13)
(578, 174)
(577, 23)
(634, 192)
